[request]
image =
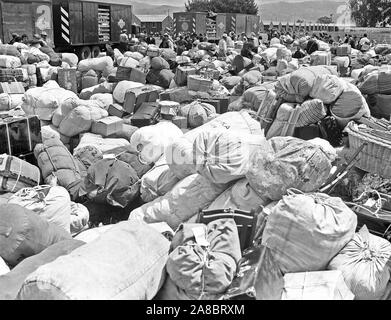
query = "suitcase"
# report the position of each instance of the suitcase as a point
(67, 79)
(7, 75)
(130, 74)
(16, 174)
(19, 136)
(220, 104)
(146, 115)
(136, 96)
(117, 111)
(344, 50)
(12, 88)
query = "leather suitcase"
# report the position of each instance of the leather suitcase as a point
(19, 136)
(136, 96)
(181, 74)
(130, 74)
(117, 110)
(146, 115)
(12, 88)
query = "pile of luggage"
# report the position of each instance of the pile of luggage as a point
(152, 175)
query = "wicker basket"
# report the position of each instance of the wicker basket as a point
(199, 83)
(375, 158)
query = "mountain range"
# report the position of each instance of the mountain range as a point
(276, 10)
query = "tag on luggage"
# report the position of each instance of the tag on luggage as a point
(200, 236)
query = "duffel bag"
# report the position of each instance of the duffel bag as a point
(200, 272)
(291, 163)
(51, 203)
(157, 181)
(9, 50)
(306, 231)
(111, 181)
(10, 62)
(104, 87)
(378, 81)
(181, 203)
(70, 58)
(11, 283)
(89, 79)
(380, 105)
(24, 234)
(159, 63)
(125, 263)
(16, 174)
(55, 160)
(96, 64)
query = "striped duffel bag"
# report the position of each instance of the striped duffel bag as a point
(16, 174)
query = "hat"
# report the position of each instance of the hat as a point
(14, 35)
(225, 35)
(37, 36)
(43, 33)
(165, 35)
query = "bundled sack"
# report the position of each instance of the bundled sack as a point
(151, 141)
(327, 88)
(70, 104)
(122, 264)
(104, 145)
(25, 234)
(161, 78)
(135, 55)
(9, 50)
(4, 269)
(318, 285)
(43, 101)
(222, 156)
(16, 174)
(79, 218)
(92, 234)
(290, 163)
(238, 197)
(80, 120)
(70, 58)
(89, 79)
(157, 181)
(10, 62)
(230, 82)
(111, 181)
(50, 203)
(253, 97)
(297, 86)
(96, 64)
(365, 265)
(10, 101)
(129, 62)
(159, 63)
(203, 261)
(119, 92)
(351, 105)
(181, 203)
(104, 87)
(252, 78)
(106, 99)
(378, 81)
(11, 283)
(180, 153)
(54, 159)
(197, 113)
(306, 231)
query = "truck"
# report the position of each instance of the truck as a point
(215, 25)
(80, 26)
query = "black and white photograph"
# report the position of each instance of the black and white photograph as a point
(195, 156)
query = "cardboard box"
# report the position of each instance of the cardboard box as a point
(117, 110)
(107, 126)
(344, 50)
(169, 108)
(136, 96)
(181, 74)
(180, 122)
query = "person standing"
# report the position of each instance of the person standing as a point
(123, 41)
(223, 46)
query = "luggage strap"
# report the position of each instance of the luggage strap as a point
(7, 174)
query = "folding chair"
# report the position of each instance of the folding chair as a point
(245, 221)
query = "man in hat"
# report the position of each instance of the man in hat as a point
(230, 40)
(44, 39)
(223, 46)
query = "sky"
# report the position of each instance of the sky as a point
(182, 2)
